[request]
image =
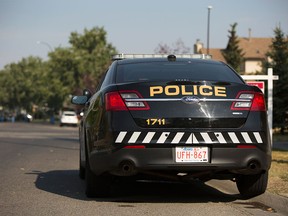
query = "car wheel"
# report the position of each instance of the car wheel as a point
(252, 185)
(97, 186)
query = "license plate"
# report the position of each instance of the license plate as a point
(191, 154)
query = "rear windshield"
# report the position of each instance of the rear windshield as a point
(173, 71)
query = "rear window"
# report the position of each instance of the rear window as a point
(171, 71)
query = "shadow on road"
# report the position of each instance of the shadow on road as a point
(61, 182)
(67, 183)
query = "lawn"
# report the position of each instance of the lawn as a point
(278, 175)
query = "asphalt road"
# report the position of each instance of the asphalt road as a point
(39, 176)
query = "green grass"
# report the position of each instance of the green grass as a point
(278, 174)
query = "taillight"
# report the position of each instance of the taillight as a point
(132, 103)
(258, 103)
(133, 100)
(116, 101)
(253, 101)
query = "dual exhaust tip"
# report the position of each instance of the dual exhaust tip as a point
(127, 168)
(254, 165)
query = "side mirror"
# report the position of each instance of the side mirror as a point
(79, 100)
(87, 92)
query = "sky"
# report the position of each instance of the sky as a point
(132, 26)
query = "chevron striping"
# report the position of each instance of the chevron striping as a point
(188, 137)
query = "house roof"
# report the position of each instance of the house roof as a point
(216, 53)
(255, 47)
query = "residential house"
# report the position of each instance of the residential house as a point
(254, 50)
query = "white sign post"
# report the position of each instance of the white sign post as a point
(270, 77)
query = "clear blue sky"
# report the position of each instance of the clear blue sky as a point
(132, 26)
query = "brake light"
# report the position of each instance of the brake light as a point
(258, 103)
(116, 101)
(253, 101)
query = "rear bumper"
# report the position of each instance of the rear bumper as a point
(68, 122)
(229, 159)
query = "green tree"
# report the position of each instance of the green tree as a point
(233, 54)
(68, 70)
(63, 66)
(278, 56)
(23, 84)
(3, 91)
(80, 65)
(92, 53)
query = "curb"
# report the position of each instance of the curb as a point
(276, 202)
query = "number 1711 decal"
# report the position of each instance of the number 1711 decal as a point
(155, 121)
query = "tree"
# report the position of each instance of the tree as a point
(278, 56)
(49, 84)
(177, 48)
(81, 65)
(233, 54)
(92, 53)
(63, 66)
(162, 49)
(4, 97)
(23, 84)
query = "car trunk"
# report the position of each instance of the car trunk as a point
(182, 104)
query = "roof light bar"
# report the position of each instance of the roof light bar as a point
(136, 56)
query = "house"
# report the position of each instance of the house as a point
(254, 50)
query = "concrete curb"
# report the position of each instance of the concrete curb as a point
(277, 202)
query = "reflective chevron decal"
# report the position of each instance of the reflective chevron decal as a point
(188, 138)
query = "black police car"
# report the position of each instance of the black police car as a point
(185, 117)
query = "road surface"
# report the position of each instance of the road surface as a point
(39, 176)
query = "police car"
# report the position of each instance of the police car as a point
(184, 117)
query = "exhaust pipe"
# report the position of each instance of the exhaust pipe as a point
(127, 168)
(254, 165)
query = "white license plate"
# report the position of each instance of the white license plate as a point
(191, 154)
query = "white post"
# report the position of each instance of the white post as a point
(270, 102)
(270, 77)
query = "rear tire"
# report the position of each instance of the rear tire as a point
(97, 186)
(81, 171)
(252, 185)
